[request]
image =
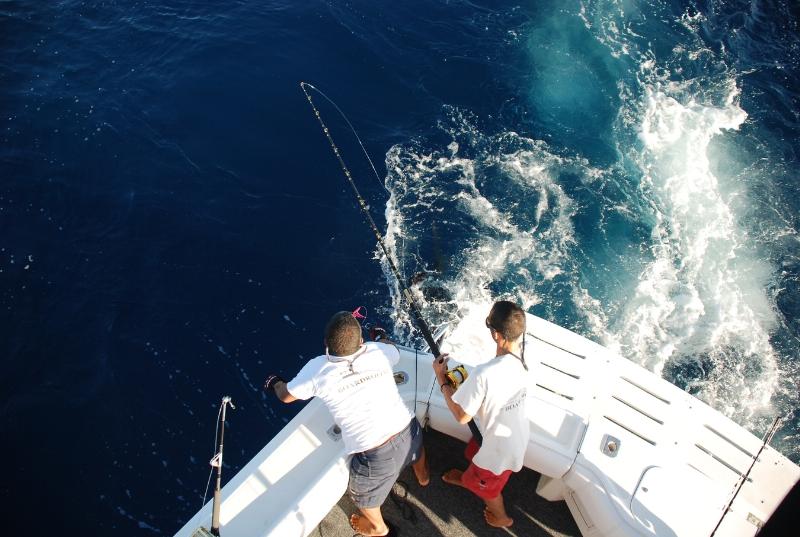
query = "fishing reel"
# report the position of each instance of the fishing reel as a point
(456, 376)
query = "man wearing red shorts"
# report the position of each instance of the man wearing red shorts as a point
(495, 394)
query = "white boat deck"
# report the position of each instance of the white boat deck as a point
(621, 453)
(441, 510)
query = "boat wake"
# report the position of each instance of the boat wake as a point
(655, 254)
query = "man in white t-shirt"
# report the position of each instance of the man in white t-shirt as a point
(355, 380)
(495, 395)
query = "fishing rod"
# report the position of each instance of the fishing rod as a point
(216, 462)
(414, 309)
(412, 303)
(743, 478)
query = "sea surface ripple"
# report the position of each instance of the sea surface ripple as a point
(173, 226)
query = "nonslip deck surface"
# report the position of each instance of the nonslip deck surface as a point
(443, 510)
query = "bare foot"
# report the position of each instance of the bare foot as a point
(364, 527)
(496, 522)
(425, 480)
(423, 475)
(453, 477)
(422, 471)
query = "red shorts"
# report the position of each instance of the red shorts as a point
(483, 483)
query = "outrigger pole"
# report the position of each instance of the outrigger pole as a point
(744, 477)
(422, 326)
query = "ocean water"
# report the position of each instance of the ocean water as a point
(174, 227)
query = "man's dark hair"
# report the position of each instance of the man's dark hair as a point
(342, 334)
(507, 318)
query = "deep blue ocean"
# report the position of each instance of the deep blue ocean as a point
(174, 226)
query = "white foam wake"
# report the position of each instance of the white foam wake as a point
(502, 197)
(702, 295)
(700, 307)
(693, 302)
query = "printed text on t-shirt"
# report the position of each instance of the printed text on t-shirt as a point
(516, 402)
(363, 379)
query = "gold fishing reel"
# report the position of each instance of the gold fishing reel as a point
(456, 376)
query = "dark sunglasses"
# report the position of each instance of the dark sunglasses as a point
(489, 326)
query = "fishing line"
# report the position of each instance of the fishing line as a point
(422, 326)
(412, 303)
(366, 154)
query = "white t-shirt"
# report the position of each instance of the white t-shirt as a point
(495, 394)
(359, 391)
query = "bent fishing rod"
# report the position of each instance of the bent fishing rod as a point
(412, 303)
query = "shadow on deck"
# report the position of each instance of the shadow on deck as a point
(441, 510)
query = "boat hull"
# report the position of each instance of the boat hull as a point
(630, 453)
